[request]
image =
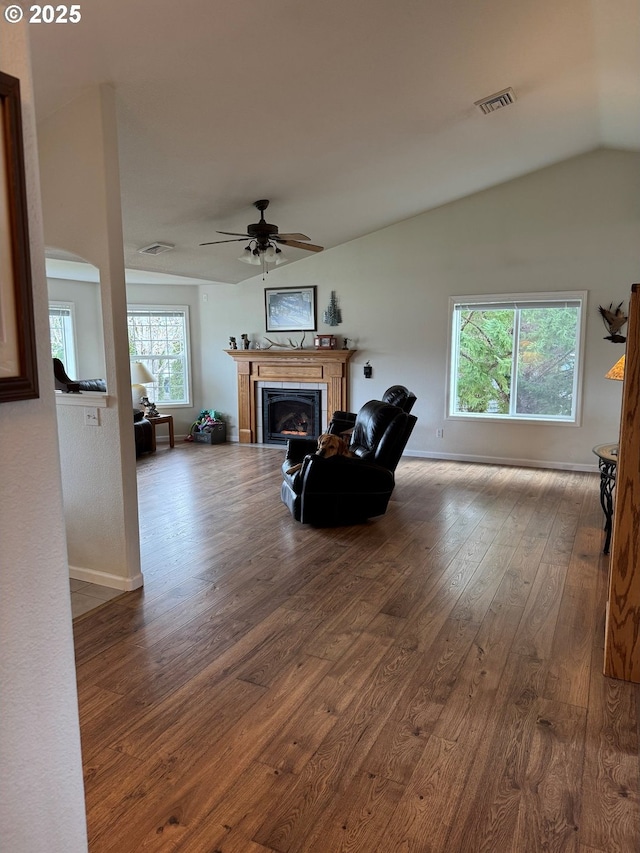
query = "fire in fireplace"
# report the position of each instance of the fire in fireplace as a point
(288, 413)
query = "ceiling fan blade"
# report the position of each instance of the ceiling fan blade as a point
(292, 237)
(232, 233)
(297, 245)
(214, 242)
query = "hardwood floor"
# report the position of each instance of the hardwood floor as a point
(430, 681)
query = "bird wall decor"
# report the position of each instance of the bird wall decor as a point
(613, 319)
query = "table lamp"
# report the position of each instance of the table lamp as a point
(617, 371)
(140, 376)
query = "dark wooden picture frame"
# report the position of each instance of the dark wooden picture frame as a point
(290, 309)
(18, 364)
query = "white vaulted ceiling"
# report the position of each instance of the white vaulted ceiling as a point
(349, 115)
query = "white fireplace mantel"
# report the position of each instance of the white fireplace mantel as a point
(303, 366)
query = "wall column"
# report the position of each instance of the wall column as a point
(622, 634)
(82, 214)
(42, 802)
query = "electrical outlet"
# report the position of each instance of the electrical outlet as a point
(91, 416)
(439, 433)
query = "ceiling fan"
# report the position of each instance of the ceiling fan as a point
(264, 239)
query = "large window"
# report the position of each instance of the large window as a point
(159, 338)
(61, 327)
(517, 358)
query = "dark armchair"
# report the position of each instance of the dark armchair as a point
(348, 490)
(397, 395)
(143, 432)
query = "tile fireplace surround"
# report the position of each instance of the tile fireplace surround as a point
(327, 369)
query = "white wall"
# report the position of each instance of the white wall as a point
(42, 801)
(85, 296)
(573, 226)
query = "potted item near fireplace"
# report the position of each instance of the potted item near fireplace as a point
(208, 428)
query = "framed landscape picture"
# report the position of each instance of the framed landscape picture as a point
(18, 367)
(290, 309)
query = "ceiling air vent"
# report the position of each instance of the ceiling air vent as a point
(156, 249)
(496, 102)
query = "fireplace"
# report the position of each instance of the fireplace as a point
(287, 413)
(325, 370)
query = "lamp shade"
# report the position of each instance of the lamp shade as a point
(140, 374)
(617, 371)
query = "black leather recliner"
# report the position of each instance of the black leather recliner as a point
(397, 395)
(347, 490)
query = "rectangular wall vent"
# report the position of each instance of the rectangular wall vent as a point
(156, 249)
(496, 102)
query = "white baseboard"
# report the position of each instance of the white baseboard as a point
(79, 573)
(469, 457)
(496, 460)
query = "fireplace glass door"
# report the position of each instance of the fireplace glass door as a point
(290, 413)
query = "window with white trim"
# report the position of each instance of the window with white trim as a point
(159, 338)
(62, 332)
(517, 357)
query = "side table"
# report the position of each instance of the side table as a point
(607, 462)
(163, 419)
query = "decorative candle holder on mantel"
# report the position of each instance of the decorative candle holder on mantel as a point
(325, 367)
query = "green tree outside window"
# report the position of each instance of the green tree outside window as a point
(516, 361)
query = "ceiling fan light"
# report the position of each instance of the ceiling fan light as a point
(246, 256)
(262, 249)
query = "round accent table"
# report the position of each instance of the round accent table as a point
(607, 462)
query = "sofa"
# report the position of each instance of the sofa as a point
(70, 386)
